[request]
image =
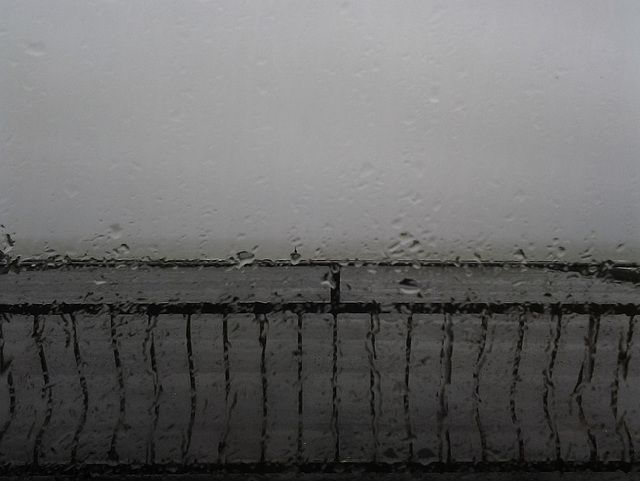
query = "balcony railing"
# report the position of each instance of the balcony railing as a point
(317, 367)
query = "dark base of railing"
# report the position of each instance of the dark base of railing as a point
(93, 470)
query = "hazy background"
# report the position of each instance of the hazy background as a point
(369, 129)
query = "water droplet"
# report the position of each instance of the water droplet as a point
(123, 249)
(407, 247)
(72, 189)
(367, 170)
(176, 115)
(390, 453)
(434, 96)
(245, 258)
(327, 280)
(7, 245)
(519, 255)
(587, 254)
(115, 231)
(35, 49)
(410, 291)
(426, 453)
(295, 257)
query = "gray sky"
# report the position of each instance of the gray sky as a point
(347, 129)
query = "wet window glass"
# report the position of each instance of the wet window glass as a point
(340, 129)
(339, 238)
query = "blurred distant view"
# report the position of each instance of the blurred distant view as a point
(332, 130)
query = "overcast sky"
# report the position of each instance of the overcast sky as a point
(366, 129)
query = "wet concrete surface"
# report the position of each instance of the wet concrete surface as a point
(295, 388)
(310, 283)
